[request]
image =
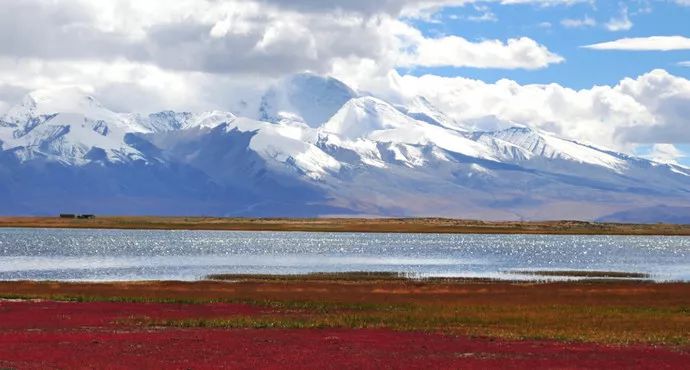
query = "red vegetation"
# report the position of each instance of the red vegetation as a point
(40, 335)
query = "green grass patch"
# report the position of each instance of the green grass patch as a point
(614, 325)
(583, 273)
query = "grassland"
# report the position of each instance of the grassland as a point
(411, 225)
(609, 313)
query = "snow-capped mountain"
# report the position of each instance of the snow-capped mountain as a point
(305, 98)
(314, 147)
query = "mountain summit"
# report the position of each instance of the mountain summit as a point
(315, 147)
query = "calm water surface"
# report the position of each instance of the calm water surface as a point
(62, 254)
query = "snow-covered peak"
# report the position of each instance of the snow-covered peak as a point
(324, 148)
(171, 121)
(538, 144)
(362, 116)
(283, 144)
(373, 119)
(421, 109)
(66, 125)
(304, 97)
(59, 100)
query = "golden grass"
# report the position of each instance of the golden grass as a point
(561, 322)
(612, 312)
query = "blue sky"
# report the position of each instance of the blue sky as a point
(582, 67)
(564, 30)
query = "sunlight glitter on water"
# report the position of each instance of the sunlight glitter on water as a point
(61, 254)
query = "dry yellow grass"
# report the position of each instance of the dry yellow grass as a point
(411, 225)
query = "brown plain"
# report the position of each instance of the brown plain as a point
(395, 225)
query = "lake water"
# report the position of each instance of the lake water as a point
(61, 254)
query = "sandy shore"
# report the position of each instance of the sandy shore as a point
(411, 225)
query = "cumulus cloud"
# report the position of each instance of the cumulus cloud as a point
(651, 43)
(267, 37)
(150, 53)
(457, 51)
(665, 153)
(128, 86)
(652, 108)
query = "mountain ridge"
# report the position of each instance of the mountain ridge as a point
(315, 148)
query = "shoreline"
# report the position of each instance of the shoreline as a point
(363, 225)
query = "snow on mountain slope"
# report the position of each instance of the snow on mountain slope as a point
(170, 121)
(66, 126)
(523, 144)
(69, 126)
(319, 149)
(306, 98)
(373, 119)
(583, 164)
(421, 109)
(52, 101)
(283, 143)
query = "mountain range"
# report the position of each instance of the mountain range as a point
(315, 147)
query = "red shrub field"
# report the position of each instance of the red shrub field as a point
(126, 333)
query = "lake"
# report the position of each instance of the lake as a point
(116, 255)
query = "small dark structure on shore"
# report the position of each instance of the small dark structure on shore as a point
(81, 217)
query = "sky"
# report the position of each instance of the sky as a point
(611, 73)
(566, 31)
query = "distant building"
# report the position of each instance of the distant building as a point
(81, 217)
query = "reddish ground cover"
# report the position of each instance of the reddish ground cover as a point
(43, 334)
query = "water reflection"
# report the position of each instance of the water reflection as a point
(59, 254)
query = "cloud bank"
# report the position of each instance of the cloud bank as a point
(652, 108)
(137, 55)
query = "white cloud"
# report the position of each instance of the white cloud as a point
(651, 43)
(266, 37)
(652, 108)
(456, 51)
(128, 86)
(620, 23)
(665, 153)
(200, 54)
(579, 23)
(686, 63)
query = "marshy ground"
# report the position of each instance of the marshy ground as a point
(354, 320)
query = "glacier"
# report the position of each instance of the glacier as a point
(312, 147)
